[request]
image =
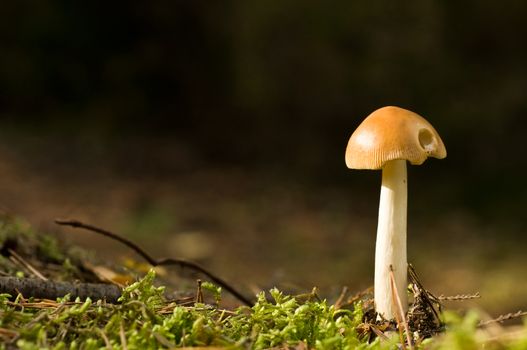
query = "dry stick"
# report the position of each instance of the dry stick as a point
(427, 296)
(395, 294)
(8, 334)
(351, 300)
(105, 338)
(27, 265)
(502, 318)
(459, 297)
(115, 237)
(163, 340)
(378, 332)
(154, 262)
(417, 281)
(122, 335)
(199, 293)
(52, 289)
(36, 320)
(340, 300)
(40, 304)
(214, 278)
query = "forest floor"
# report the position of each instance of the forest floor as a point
(62, 296)
(257, 229)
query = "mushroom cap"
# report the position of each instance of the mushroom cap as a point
(391, 133)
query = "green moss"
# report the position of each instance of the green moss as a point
(144, 319)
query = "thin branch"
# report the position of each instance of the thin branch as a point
(163, 340)
(26, 264)
(340, 300)
(414, 278)
(394, 305)
(122, 335)
(426, 295)
(53, 289)
(505, 317)
(199, 293)
(399, 304)
(221, 282)
(360, 295)
(378, 332)
(8, 335)
(459, 297)
(105, 338)
(154, 262)
(115, 237)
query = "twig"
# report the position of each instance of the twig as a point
(27, 265)
(359, 295)
(105, 338)
(8, 335)
(340, 300)
(154, 262)
(214, 278)
(122, 335)
(378, 332)
(37, 320)
(459, 297)
(39, 304)
(126, 242)
(199, 292)
(163, 340)
(502, 318)
(399, 304)
(394, 304)
(53, 289)
(414, 278)
(308, 296)
(426, 295)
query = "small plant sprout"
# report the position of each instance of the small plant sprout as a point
(385, 140)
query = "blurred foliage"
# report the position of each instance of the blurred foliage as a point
(271, 82)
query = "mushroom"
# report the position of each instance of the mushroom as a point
(385, 140)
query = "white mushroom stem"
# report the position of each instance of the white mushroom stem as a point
(390, 247)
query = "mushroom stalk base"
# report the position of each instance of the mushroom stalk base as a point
(390, 247)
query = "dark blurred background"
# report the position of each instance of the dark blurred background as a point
(216, 131)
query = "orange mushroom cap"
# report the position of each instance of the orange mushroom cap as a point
(391, 133)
